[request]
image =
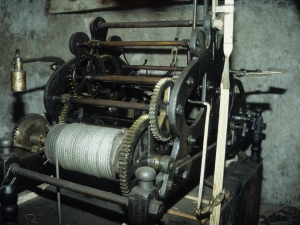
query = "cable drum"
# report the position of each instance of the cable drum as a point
(84, 148)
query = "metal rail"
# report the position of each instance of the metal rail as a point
(152, 24)
(126, 79)
(78, 188)
(98, 44)
(110, 103)
(163, 68)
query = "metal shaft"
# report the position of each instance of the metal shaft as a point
(127, 79)
(152, 24)
(195, 14)
(45, 59)
(205, 8)
(96, 43)
(109, 103)
(81, 189)
(163, 68)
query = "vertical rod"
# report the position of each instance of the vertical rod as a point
(203, 154)
(195, 14)
(205, 9)
(58, 190)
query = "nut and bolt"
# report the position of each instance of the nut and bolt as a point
(190, 82)
(170, 185)
(198, 43)
(156, 209)
(179, 110)
(171, 166)
(185, 174)
(191, 140)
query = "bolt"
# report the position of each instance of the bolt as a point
(198, 43)
(179, 110)
(190, 82)
(169, 185)
(185, 174)
(156, 209)
(112, 109)
(171, 166)
(191, 140)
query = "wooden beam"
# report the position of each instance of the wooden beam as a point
(66, 6)
(224, 104)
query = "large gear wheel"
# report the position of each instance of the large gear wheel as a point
(133, 153)
(31, 124)
(158, 113)
(91, 65)
(87, 65)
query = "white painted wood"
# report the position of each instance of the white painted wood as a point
(223, 112)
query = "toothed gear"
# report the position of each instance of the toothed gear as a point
(92, 65)
(28, 125)
(158, 113)
(64, 112)
(130, 158)
(87, 65)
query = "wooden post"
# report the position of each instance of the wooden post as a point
(224, 103)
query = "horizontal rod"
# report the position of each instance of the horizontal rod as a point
(152, 24)
(81, 189)
(110, 103)
(163, 68)
(96, 43)
(118, 119)
(45, 59)
(126, 79)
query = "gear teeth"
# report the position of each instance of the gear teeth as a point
(21, 131)
(63, 115)
(126, 152)
(153, 109)
(20, 122)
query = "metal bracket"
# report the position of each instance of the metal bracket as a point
(216, 201)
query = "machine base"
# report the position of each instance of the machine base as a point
(242, 182)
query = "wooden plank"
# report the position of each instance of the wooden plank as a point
(66, 6)
(224, 105)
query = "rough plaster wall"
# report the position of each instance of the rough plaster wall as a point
(265, 36)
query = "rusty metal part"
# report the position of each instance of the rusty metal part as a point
(113, 198)
(163, 68)
(18, 81)
(30, 131)
(158, 114)
(126, 79)
(117, 104)
(16, 145)
(152, 24)
(18, 76)
(96, 43)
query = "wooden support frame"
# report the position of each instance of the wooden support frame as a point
(227, 24)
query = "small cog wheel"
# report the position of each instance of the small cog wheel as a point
(133, 153)
(158, 113)
(31, 124)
